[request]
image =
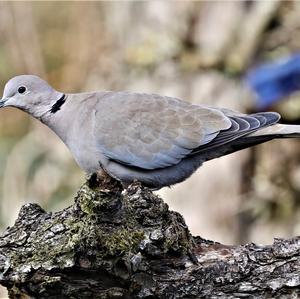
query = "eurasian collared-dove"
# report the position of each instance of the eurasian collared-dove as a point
(154, 139)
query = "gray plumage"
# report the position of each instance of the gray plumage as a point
(154, 139)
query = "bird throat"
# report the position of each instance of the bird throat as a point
(57, 105)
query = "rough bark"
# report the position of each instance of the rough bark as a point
(127, 244)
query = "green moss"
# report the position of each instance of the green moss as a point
(102, 225)
(92, 202)
(87, 233)
(118, 241)
(123, 241)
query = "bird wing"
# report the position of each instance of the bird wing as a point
(151, 131)
(239, 135)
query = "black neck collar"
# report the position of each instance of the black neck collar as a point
(57, 105)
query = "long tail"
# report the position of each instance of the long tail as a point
(262, 135)
(254, 138)
(277, 131)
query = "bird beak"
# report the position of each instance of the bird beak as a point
(2, 102)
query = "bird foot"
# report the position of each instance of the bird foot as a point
(103, 182)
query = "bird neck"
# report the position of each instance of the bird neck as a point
(58, 104)
(59, 116)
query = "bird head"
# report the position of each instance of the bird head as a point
(31, 94)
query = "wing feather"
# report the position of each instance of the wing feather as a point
(150, 131)
(246, 124)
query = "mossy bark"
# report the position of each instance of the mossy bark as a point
(114, 243)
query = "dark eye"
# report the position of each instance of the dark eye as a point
(21, 89)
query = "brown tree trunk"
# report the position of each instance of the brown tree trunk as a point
(127, 244)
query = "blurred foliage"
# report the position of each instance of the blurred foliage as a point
(198, 51)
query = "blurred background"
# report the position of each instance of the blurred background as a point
(241, 55)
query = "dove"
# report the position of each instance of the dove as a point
(156, 140)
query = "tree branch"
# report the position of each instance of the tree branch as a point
(127, 244)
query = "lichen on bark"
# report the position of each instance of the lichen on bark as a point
(105, 232)
(115, 243)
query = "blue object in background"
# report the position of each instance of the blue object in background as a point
(273, 81)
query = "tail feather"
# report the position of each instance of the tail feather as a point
(278, 131)
(254, 138)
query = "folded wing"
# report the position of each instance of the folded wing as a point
(151, 131)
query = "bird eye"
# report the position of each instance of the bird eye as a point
(21, 89)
